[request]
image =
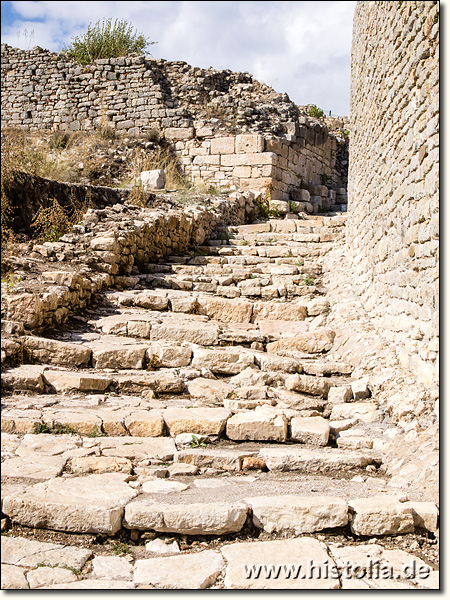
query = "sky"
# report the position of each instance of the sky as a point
(302, 48)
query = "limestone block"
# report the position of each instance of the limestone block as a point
(340, 394)
(151, 300)
(178, 133)
(159, 548)
(360, 389)
(24, 377)
(299, 553)
(317, 307)
(354, 439)
(207, 421)
(365, 411)
(310, 430)
(58, 353)
(48, 576)
(13, 578)
(309, 384)
(162, 355)
(111, 567)
(294, 458)
(207, 160)
(196, 571)
(163, 381)
(252, 159)
(280, 206)
(261, 424)
(105, 244)
(84, 465)
(40, 467)
(81, 421)
(202, 518)
(302, 514)
(220, 309)
(278, 311)
(209, 389)
(145, 423)
(135, 448)
(224, 362)
(111, 356)
(204, 335)
(312, 342)
(91, 504)
(30, 553)
(153, 180)
(425, 515)
(223, 145)
(160, 486)
(380, 515)
(249, 143)
(224, 459)
(64, 381)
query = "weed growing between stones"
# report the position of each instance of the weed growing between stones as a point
(121, 548)
(54, 221)
(196, 443)
(56, 429)
(9, 283)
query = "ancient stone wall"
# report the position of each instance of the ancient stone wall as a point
(203, 112)
(394, 175)
(106, 248)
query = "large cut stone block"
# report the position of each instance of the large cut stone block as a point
(222, 145)
(203, 518)
(187, 572)
(58, 353)
(249, 143)
(302, 514)
(310, 430)
(261, 424)
(92, 504)
(207, 421)
(312, 342)
(280, 564)
(380, 515)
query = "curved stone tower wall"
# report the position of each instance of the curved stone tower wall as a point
(393, 224)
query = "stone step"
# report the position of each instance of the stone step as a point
(288, 225)
(277, 281)
(179, 343)
(248, 413)
(229, 311)
(30, 564)
(104, 503)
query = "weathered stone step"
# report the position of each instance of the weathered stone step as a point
(158, 305)
(295, 563)
(103, 503)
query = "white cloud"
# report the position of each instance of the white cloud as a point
(302, 48)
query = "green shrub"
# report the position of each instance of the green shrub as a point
(315, 112)
(107, 40)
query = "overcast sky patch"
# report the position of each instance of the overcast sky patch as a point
(302, 48)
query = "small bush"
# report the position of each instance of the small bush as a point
(315, 112)
(51, 223)
(106, 40)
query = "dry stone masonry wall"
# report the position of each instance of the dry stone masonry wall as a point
(203, 112)
(394, 175)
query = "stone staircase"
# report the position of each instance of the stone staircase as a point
(201, 420)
